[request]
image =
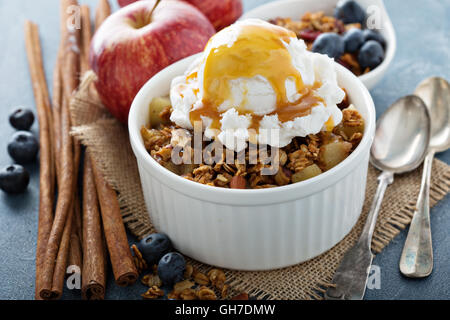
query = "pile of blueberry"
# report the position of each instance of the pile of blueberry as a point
(23, 148)
(368, 45)
(157, 249)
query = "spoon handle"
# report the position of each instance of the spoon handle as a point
(351, 275)
(417, 256)
(384, 180)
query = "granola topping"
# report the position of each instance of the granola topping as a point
(302, 159)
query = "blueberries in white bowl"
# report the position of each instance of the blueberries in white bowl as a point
(371, 55)
(23, 147)
(154, 247)
(171, 268)
(369, 34)
(353, 40)
(350, 11)
(330, 44)
(14, 179)
(21, 119)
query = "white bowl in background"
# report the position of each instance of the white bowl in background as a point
(296, 8)
(253, 229)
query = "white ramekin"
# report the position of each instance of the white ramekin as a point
(253, 229)
(296, 8)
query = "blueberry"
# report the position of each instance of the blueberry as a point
(14, 179)
(21, 119)
(353, 40)
(370, 55)
(154, 247)
(23, 147)
(374, 35)
(330, 44)
(350, 12)
(171, 268)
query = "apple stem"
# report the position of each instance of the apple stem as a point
(148, 15)
(154, 7)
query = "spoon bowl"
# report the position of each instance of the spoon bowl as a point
(435, 92)
(402, 136)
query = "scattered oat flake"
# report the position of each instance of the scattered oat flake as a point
(201, 278)
(139, 261)
(180, 286)
(205, 293)
(189, 271)
(153, 293)
(188, 294)
(151, 280)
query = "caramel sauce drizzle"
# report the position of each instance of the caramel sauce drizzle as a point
(258, 50)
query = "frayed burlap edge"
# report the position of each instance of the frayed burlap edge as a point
(108, 142)
(386, 232)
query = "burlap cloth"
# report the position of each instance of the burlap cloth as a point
(108, 142)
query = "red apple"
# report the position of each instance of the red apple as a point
(221, 13)
(131, 46)
(123, 3)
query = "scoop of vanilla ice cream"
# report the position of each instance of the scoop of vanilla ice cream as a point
(257, 96)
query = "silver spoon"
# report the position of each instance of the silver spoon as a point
(401, 141)
(417, 256)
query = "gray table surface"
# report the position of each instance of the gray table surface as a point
(423, 31)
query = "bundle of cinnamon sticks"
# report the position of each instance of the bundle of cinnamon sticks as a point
(75, 231)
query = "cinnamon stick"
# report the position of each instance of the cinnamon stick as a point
(56, 102)
(66, 71)
(76, 60)
(46, 194)
(47, 106)
(94, 248)
(58, 90)
(55, 260)
(75, 251)
(71, 53)
(86, 35)
(124, 270)
(61, 260)
(94, 266)
(63, 209)
(103, 11)
(69, 252)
